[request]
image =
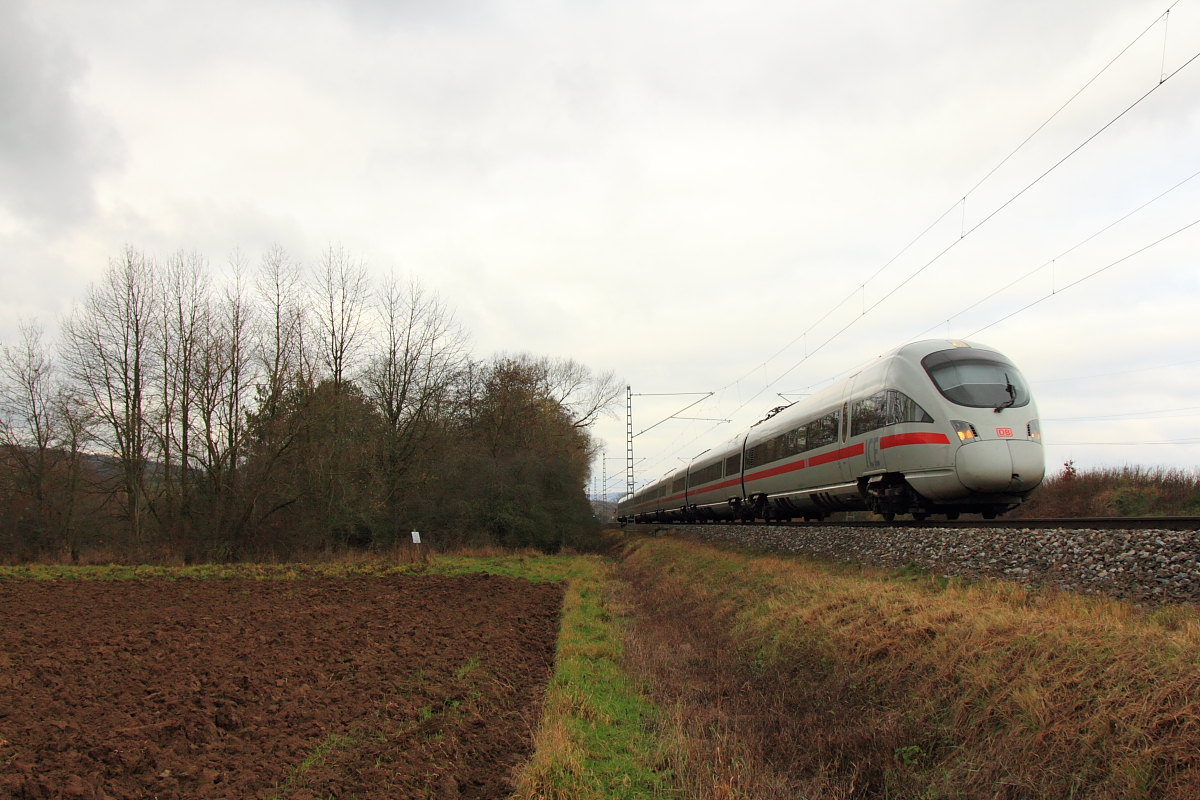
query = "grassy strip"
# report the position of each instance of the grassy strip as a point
(595, 739)
(535, 568)
(914, 687)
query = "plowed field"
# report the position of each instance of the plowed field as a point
(367, 687)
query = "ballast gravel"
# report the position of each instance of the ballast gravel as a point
(1145, 566)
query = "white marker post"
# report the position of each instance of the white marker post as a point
(417, 544)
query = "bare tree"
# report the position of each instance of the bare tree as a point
(224, 376)
(28, 421)
(583, 394)
(185, 307)
(281, 351)
(420, 351)
(342, 294)
(109, 351)
(418, 357)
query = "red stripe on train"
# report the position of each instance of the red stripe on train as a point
(715, 487)
(773, 471)
(895, 440)
(836, 455)
(900, 439)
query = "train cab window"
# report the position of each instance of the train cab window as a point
(733, 464)
(976, 378)
(889, 407)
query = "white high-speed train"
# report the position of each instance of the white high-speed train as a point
(933, 427)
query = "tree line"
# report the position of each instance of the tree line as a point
(281, 411)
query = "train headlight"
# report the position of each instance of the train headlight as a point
(1034, 429)
(965, 430)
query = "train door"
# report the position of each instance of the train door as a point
(851, 462)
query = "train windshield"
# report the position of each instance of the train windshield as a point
(976, 378)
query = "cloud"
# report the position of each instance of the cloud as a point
(51, 148)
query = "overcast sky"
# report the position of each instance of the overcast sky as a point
(675, 191)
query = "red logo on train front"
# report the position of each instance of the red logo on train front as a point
(1004, 432)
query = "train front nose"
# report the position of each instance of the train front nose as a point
(1000, 465)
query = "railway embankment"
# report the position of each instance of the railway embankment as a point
(784, 677)
(1144, 566)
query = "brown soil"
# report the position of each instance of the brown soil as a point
(375, 687)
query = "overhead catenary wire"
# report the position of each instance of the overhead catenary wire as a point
(1089, 275)
(961, 202)
(975, 227)
(1030, 305)
(1122, 372)
(1053, 286)
(964, 232)
(1127, 415)
(1115, 444)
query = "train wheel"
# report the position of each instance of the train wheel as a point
(889, 516)
(920, 516)
(952, 515)
(989, 514)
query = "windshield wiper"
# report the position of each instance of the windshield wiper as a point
(1012, 394)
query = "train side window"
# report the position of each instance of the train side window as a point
(868, 414)
(678, 485)
(822, 431)
(902, 408)
(890, 407)
(733, 464)
(705, 475)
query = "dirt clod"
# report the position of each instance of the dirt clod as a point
(379, 687)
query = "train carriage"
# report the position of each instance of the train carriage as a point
(939, 426)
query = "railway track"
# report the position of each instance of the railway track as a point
(1066, 523)
(1153, 560)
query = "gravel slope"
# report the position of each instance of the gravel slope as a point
(1155, 566)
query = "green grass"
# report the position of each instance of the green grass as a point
(596, 738)
(330, 745)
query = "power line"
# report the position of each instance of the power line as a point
(1112, 444)
(947, 249)
(1123, 372)
(1130, 415)
(964, 233)
(1064, 253)
(1089, 275)
(1030, 305)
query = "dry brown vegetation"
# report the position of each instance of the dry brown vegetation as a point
(1129, 491)
(785, 678)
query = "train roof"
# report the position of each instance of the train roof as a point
(918, 350)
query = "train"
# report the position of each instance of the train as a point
(940, 426)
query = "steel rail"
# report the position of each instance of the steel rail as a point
(1059, 523)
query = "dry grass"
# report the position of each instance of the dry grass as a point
(784, 678)
(1129, 491)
